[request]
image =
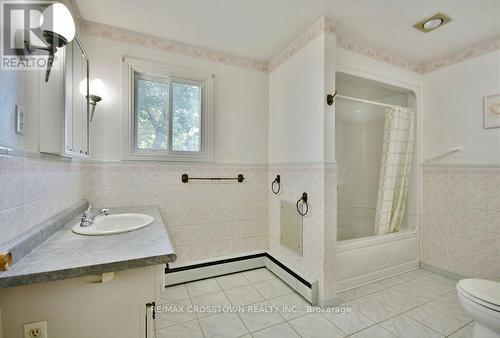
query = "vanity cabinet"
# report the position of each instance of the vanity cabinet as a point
(64, 104)
(86, 307)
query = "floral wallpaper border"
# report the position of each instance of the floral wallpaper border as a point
(75, 11)
(323, 25)
(466, 54)
(379, 55)
(171, 46)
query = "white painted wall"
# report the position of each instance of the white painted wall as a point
(296, 108)
(459, 229)
(360, 65)
(28, 89)
(32, 189)
(14, 90)
(240, 125)
(22, 88)
(453, 111)
(300, 127)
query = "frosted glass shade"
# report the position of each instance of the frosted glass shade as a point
(57, 18)
(97, 88)
(83, 87)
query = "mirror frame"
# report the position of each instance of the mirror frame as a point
(68, 99)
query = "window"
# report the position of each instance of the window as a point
(170, 113)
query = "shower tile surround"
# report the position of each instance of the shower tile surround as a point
(461, 220)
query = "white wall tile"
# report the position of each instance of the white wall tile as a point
(461, 234)
(34, 189)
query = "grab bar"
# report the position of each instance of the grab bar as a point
(185, 178)
(451, 151)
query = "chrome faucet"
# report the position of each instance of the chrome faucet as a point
(89, 216)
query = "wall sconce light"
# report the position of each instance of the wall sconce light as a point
(58, 29)
(96, 89)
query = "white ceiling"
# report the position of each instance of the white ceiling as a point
(259, 29)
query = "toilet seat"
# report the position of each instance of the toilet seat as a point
(482, 292)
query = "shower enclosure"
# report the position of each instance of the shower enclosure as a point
(377, 176)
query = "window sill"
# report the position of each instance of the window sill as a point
(169, 158)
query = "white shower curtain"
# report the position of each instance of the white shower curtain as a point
(395, 169)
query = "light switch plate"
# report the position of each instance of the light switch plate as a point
(35, 330)
(20, 120)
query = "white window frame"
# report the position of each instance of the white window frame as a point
(130, 150)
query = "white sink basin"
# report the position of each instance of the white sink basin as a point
(114, 224)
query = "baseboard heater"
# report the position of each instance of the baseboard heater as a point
(304, 286)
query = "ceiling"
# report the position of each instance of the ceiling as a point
(259, 29)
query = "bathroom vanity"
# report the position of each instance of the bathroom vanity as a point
(89, 286)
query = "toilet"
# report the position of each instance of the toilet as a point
(481, 299)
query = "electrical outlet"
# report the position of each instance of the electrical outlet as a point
(20, 120)
(35, 330)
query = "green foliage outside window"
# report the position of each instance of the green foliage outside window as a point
(152, 114)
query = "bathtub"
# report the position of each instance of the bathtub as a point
(368, 259)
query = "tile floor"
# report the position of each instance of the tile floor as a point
(416, 304)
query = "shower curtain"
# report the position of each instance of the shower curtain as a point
(395, 169)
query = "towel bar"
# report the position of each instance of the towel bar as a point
(185, 178)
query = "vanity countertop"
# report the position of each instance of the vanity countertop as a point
(68, 255)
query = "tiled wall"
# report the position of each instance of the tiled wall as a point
(205, 218)
(319, 231)
(461, 220)
(34, 189)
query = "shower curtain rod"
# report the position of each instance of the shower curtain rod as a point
(368, 101)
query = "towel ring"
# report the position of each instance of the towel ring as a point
(303, 199)
(277, 181)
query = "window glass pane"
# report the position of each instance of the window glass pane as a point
(186, 126)
(151, 107)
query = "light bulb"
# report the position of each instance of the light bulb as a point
(97, 88)
(432, 24)
(57, 19)
(83, 87)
